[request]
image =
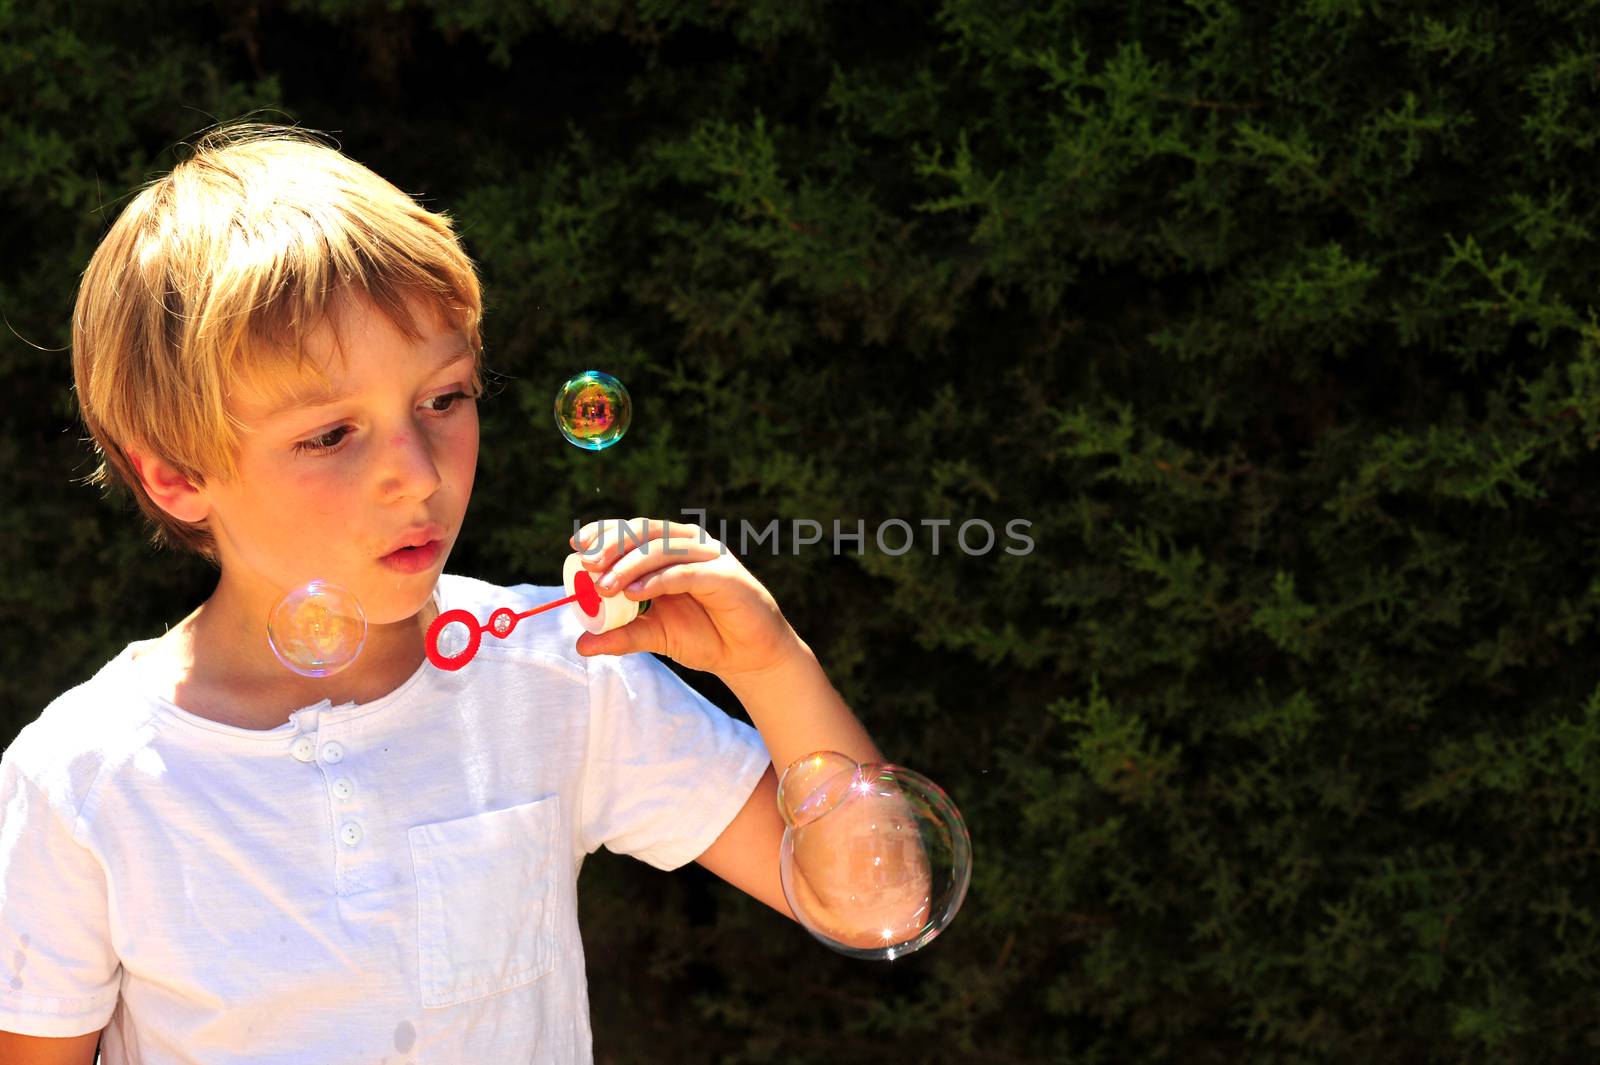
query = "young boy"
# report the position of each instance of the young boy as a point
(206, 857)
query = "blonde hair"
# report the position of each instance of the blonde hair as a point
(213, 276)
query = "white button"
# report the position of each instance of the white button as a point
(350, 833)
(343, 788)
(304, 749)
(332, 752)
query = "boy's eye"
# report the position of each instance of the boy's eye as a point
(326, 442)
(443, 403)
(330, 440)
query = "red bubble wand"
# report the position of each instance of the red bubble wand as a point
(501, 623)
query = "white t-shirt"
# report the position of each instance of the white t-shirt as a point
(387, 881)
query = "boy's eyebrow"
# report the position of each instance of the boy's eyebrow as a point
(317, 395)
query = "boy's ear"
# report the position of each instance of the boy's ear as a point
(167, 488)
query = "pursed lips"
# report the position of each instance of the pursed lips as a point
(416, 537)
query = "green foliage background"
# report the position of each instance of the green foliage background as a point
(1278, 322)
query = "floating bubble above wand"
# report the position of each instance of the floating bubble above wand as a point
(875, 860)
(454, 636)
(593, 410)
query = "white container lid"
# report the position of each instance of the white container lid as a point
(615, 610)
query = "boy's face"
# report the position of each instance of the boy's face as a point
(365, 485)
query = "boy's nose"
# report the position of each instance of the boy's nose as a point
(409, 470)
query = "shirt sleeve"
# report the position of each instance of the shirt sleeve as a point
(667, 770)
(58, 973)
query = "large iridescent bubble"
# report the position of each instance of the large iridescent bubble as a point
(593, 410)
(875, 860)
(317, 629)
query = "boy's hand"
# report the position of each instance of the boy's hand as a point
(707, 611)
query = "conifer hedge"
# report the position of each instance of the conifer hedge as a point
(1275, 322)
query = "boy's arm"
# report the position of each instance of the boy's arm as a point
(709, 613)
(745, 855)
(41, 1050)
(798, 712)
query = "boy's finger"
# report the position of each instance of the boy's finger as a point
(644, 560)
(642, 534)
(672, 580)
(603, 540)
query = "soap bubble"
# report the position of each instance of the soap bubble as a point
(875, 860)
(317, 629)
(593, 410)
(809, 788)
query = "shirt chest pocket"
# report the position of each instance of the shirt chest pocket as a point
(486, 899)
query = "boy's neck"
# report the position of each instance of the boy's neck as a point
(216, 664)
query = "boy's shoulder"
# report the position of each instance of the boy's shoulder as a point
(106, 720)
(99, 722)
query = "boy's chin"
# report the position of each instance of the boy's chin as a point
(394, 615)
(400, 608)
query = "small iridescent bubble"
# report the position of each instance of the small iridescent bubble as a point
(593, 410)
(317, 629)
(813, 785)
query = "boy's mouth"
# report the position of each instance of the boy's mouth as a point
(413, 559)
